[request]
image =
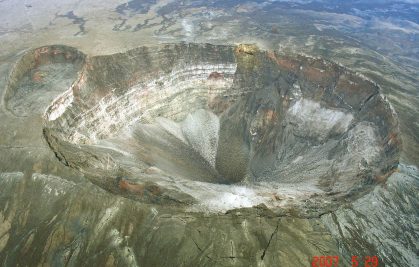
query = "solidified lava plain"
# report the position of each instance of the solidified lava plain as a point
(214, 128)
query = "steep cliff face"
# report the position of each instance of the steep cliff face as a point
(192, 124)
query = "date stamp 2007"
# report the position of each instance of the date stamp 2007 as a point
(325, 261)
(333, 261)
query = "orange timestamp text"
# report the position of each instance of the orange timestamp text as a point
(333, 261)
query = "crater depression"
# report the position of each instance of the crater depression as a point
(214, 128)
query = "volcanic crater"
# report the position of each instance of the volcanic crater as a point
(215, 128)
